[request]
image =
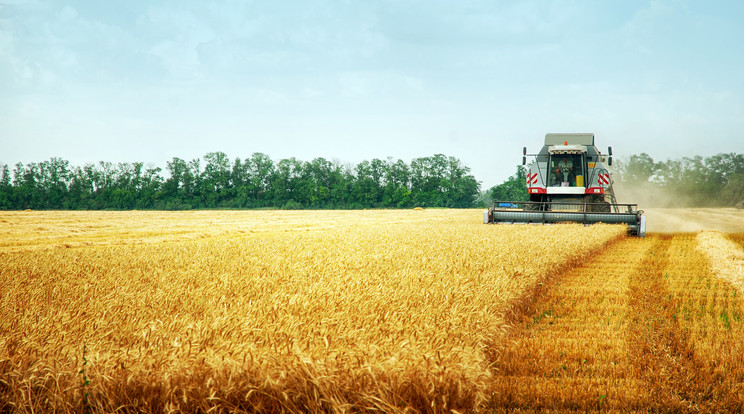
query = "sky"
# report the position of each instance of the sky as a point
(146, 81)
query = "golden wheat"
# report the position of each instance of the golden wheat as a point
(297, 311)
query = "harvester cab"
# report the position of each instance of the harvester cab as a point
(568, 181)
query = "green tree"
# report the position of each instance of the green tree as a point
(173, 187)
(733, 194)
(397, 191)
(215, 182)
(321, 177)
(426, 174)
(6, 189)
(367, 185)
(81, 193)
(463, 187)
(513, 189)
(26, 194)
(441, 181)
(285, 183)
(53, 181)
(639, 169)
(342, 179)
(260, 174)
(150, 189)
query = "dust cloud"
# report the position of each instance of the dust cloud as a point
(650, 195)
(669, 212)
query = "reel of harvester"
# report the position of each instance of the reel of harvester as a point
(535, 212)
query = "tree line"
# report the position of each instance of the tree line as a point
(216, 181)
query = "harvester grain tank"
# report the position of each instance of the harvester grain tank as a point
(568, 181)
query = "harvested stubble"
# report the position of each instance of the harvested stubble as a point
(360, 310)
(710, 318)
(726, 257)
(645, 326)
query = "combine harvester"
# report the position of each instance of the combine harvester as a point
(568, 183)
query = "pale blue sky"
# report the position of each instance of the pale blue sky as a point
(353, 80)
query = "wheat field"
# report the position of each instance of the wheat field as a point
(392, 311)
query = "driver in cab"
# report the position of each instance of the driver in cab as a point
(564, 171)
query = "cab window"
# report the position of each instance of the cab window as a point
(566, 170)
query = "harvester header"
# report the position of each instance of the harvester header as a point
(568, 181)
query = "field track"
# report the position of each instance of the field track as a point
(643, 326)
